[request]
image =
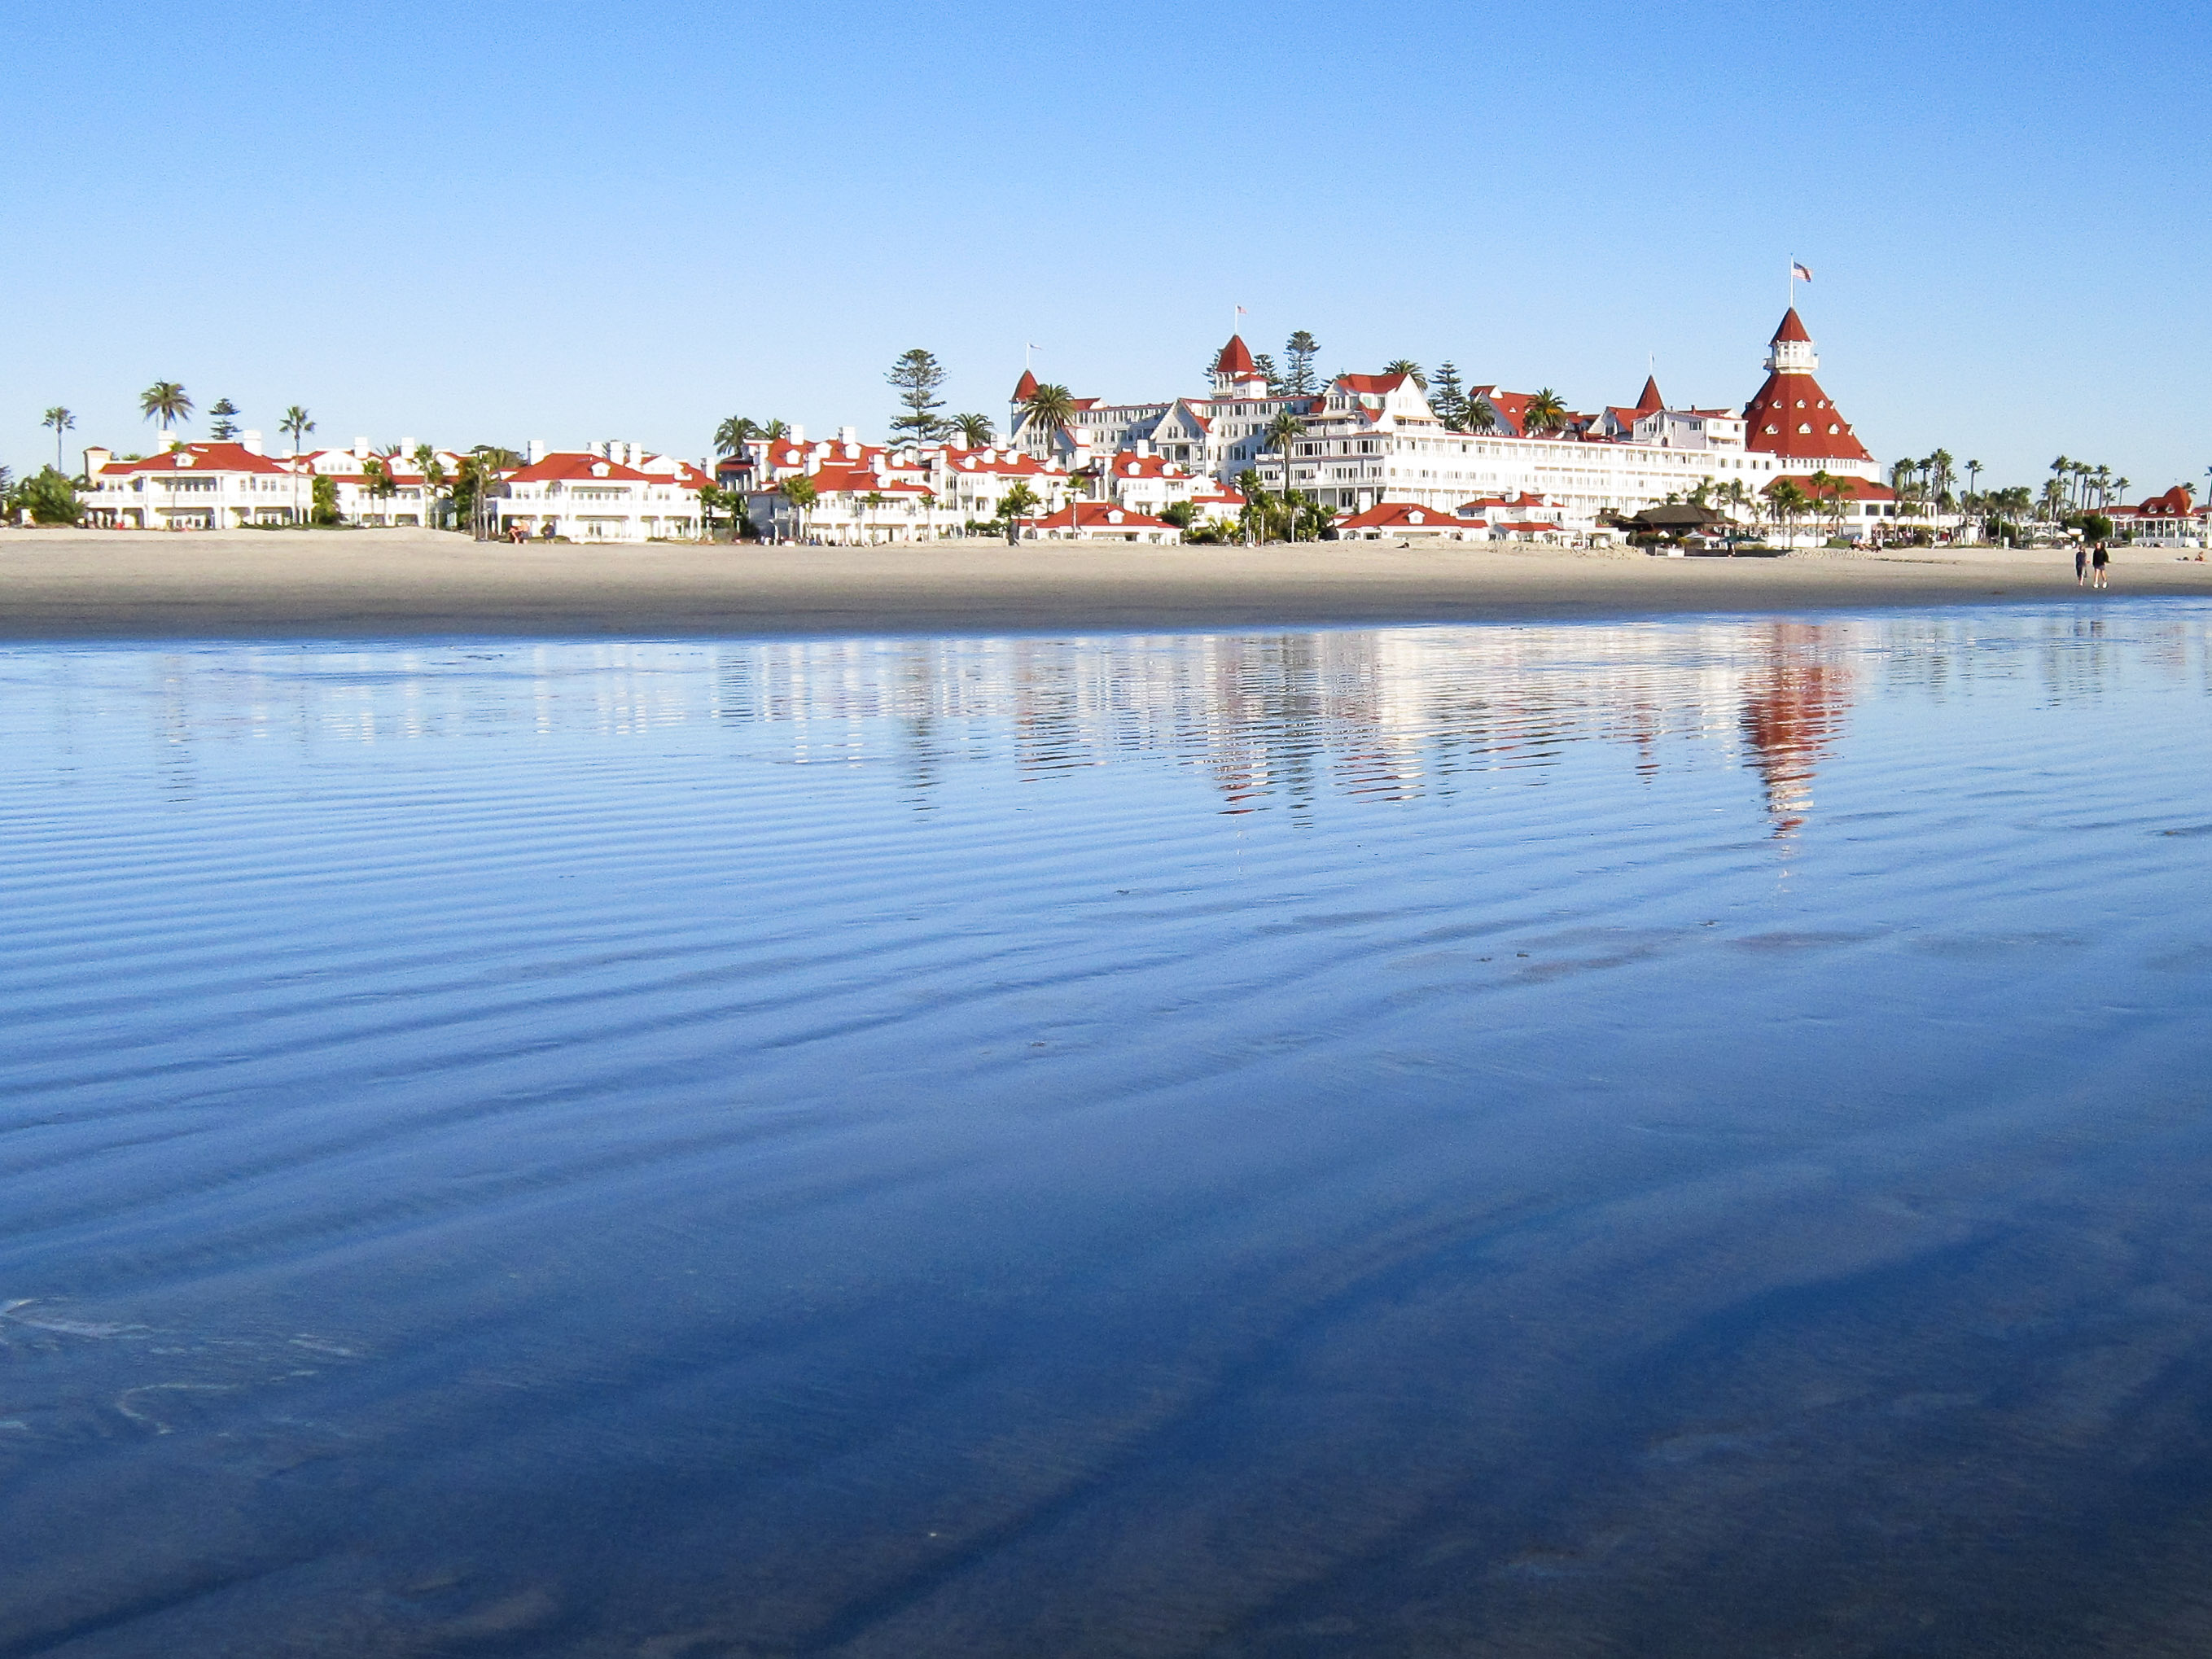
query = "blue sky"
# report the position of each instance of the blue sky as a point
(501, 222)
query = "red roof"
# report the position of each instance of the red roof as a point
(206, 458)
(1130, 465)
(1235, 359)
(1374, 383)
(1025, 388)
(1793, 328)
(1792, 416)
(1861, 490)
(1405, 515)
(2176, 503)
(1651, 403)
(1100, 515)
(577, 464)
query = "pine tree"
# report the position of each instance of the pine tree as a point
(1298, 351)
(225, 428)
(1266, 365)
(1447, 397)
(917, 374)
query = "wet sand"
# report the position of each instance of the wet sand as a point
(141, 585)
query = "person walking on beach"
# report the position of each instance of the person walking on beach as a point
(2081, 564)
(2098, 561)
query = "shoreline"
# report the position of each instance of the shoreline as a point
(124, 584)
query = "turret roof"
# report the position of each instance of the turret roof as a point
(1793, 328)
(1234, 358)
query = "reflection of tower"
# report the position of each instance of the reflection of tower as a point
(1796, 702)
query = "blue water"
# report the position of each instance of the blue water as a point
(1679, 1138)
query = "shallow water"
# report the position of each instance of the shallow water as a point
(1678, 1138)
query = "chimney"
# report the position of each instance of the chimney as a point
(959, 442)
(796, 437)
(250, 442)
(360, 449)
(849, 434)
(95, 459)
(536, 451)
(1144, 446)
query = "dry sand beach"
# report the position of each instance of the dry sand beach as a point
(57, 584)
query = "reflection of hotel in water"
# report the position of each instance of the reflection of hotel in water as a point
(1275, 719)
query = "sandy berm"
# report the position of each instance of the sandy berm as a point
(62, 584)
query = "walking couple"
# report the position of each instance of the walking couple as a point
(2089, 562)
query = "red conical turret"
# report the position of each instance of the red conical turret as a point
(1791, 416)
(1235, 361)
(1651, 403)
(1025, 388)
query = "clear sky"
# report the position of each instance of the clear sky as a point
(492, 223)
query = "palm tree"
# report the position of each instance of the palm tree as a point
(1283, 431)
(1481, 415)
(1786, 501)
(1257, 503)
(772, 431)
(799, 489)
(295, 423)
(730, 436)
(434, 474)
(1015, 503)
(974, 430)
(1939, 476)
(1545, 412)
(1407, 366)
(164, 401)
(61, 420)
(1049, 409)
(1832, 493)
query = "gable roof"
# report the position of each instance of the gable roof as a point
(1403, 515)
(1103, 515)
(1377, 384)
(203, 458)
(577, 464)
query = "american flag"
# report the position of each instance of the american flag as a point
(1802, 273)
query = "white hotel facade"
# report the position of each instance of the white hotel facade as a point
(1370, 440)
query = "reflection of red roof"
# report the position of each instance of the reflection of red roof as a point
(1235, 359)
(204, 457)
(1793, 328)
(1792, 416)
(1652, 402)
